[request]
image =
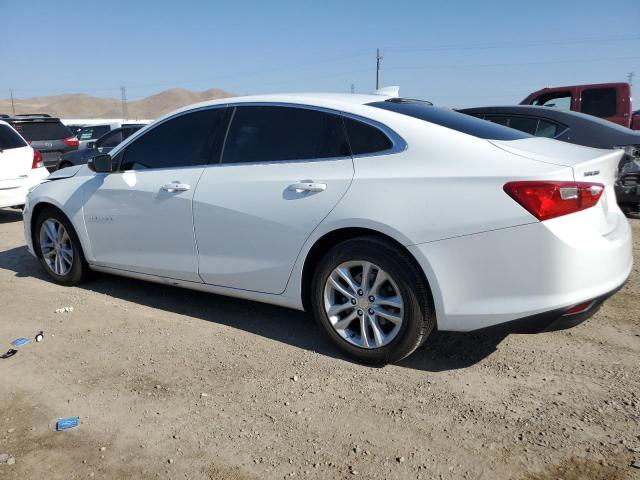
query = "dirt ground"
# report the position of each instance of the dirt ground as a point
(170, 383)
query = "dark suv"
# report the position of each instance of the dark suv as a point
(46, 134)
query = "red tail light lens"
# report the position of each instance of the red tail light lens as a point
(71, 141)
(37, 159)
(550, 199)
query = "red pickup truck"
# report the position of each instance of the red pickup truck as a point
(611, 101)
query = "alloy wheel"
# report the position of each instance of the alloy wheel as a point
(56, 247)
(363, 304)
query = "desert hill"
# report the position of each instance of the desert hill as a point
(79, 105)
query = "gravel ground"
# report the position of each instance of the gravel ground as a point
(170, 383)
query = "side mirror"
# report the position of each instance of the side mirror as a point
(100, 163)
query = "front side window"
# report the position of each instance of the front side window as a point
(599, 102)
(183, 141)
(558, 100)
(275, 134)
(499, 119)
(10, 139)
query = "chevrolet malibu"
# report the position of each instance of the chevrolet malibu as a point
(385, 217)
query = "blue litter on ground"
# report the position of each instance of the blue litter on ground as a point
(18, 342)
(67, 423)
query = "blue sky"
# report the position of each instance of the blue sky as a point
(453, 53)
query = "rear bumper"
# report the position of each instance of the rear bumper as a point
(10, 197)
(550, 321)
(530, 273)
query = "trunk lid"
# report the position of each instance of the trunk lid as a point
(588, 165)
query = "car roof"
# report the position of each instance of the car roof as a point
(327, 100)
(587, 129)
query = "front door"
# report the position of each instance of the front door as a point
(140, 217)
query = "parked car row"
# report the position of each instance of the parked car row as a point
(385, 217)
(21, 167)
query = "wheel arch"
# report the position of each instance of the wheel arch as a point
(339, 235)
(40, 207)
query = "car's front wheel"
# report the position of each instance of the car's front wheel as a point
(372, 300)
(58, 248)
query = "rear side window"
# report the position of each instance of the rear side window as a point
(499, 119)
(10, 139)
(273, 134)
(524, 124)
(36, 131)
(183, 141)
(547, 129)
(450, 119)
(599, 102)
(365, 138)
(92, 132)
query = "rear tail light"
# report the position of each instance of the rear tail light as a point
(550, 199)
(71, 141)
(37, 159)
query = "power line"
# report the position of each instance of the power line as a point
(440, 48)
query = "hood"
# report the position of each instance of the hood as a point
(65, 173)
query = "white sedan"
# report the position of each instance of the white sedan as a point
(385, 217)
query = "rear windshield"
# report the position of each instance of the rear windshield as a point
(35, 131)
(9, 138)
(450, 119)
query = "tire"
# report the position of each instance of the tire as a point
(65, 165)
(78, 269)
(416, 313)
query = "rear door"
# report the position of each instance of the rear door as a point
(16, 157)
(282, 171)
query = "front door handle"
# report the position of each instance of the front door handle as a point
(308, 187)
(176, 187)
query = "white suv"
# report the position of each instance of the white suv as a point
(20, 167)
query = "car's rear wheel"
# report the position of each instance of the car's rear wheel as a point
(372, 300)
(65, 165)
(58, 248)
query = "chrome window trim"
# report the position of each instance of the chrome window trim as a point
(398, 144)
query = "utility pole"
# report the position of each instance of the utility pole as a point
(13, 107)
(123, 91)
(353, 88)
(630, 77)
(378, 58)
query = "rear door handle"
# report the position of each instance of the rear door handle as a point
(176, 187)
(308, 187)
